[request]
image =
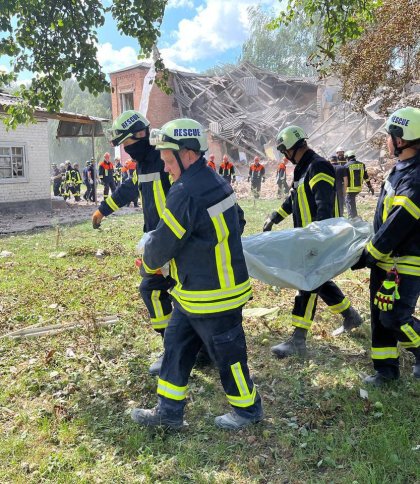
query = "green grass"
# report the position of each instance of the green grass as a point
(66, 419)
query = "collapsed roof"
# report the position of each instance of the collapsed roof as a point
(246, 106)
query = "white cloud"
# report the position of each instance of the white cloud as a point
(112, 60)
(218, 26)
(4, 69)
(180, 4)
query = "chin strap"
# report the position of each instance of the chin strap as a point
(178, 159)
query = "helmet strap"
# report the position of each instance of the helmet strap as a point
(178, 159)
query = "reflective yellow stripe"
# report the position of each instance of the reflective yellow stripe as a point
(212, 294)
(222, 252)
(336, 207)
(172, 223)
(159, 197)
(135, 178)
(148, 269)
(353, 188)
(310, 307)
(375, 252)
(171, 391)
(240, 381)
(112, 205)
(300, 322)
(409, 205)
(340, 307)
(173, 270)
(305, 213)
(321, 177)
(384, 353)
(243, 401)
(157, 306)
(282, 212)
(412, 335)
(212, 307)
(401, 268)
(161, 323)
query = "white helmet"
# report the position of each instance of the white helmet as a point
(340, 148)
(178, 134)
(349, 154)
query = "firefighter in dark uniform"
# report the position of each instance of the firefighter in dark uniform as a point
(257, 175)
(355, 175)
(148, 178)
(312, 198)
(106, 175)
(340, 171)
(281, 179)
(394, 253)
(117, 172)
(200, 234)
(77, 180)
(227, 170)
(70, 184)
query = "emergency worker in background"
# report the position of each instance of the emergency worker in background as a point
(70, 182)
(355, 175)
(281, 180)
(227, 170)
(77, 180)
(128, 170)
(146, 176)
(312, 198)
(211, 162)
(394, 253)
(199, 233)
(257, 175)
(88, 180)
(63, 188)
(117, 172)
(56, 179)
(106, 175)
(340, 151)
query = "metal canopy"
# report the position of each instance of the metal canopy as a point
(79, 129)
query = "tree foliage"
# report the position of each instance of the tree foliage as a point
(57, 40)
(385, 60)
(285, 49)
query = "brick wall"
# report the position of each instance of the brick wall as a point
(36, 187)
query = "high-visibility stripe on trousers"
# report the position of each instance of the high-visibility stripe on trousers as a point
(154, 292)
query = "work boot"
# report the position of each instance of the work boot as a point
(380, 378)
(156, 366)
(154, 418)
(233, 421)
(296, 345)
(351, 320)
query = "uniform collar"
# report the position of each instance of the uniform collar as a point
(193, 169)
(404, 164)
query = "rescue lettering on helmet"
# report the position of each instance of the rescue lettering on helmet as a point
(401, 121)
(130, 121)
(187, 132)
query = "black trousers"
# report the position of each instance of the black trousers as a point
(56, 187)
(154, 292)
(351, 204)
(305, 303)
(109, 184)
(340, 200)
(398, 325)
(224, 339)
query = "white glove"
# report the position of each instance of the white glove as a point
(142, 243)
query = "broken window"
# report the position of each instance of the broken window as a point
(12, 161)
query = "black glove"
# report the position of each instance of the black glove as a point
(268, 225)
(372, 191)
(361, 263)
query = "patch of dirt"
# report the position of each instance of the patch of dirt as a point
(62, 213)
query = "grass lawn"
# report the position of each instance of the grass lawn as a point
(65, 399)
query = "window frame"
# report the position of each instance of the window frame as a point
(19, 179)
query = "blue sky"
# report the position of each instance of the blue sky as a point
(195, 35)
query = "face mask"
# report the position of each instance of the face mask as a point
(137, 150)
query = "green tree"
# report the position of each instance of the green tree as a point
(284, 49)
(57, 40)
(77, 101)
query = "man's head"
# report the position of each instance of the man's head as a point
(256, 160)
(62, 165)
(107, 157)
(117, 159)
(333, 159)
(54, 165)
(67, 163)
(291, 142)
(181, 143)
(211, 157)
(225, 158)
(403, 128)
(340, 153)
(88, 163)
(76, 165)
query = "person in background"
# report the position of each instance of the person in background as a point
(355, 175)
(211, 162)
(281, 180)
(256, 175)
(106, 175)
(227, 170)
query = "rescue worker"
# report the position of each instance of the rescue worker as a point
(227, 170)
(88, 180)
(393, 254)
(68, 181)
(340, 151)
(117, 172)
(340, 171)
(77, 181)
(130, 168)
(355, 174)
(147, 177)
(281, 180)
(211, 162)
(200, 234)
(56, 179)
(257, 175)
(106, 175)
(312, 198)
(63, 189)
